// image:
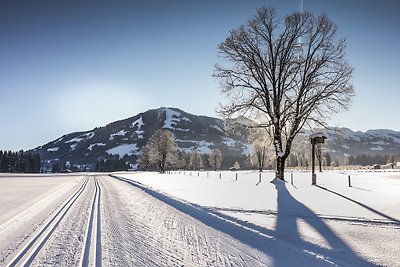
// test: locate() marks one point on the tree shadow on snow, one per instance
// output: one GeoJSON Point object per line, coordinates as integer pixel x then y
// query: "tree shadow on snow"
{"type": "Point", "coordinates": [276, 244]}
{"type": "Point", "coordinates": [290, 210]}
{"type": "Point", "coordinates": [396, 221]}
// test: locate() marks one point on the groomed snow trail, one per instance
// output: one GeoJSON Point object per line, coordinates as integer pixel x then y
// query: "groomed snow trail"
{"type": "Point", "coordinates": [144, 231]}
{"type": "Point", "coordinates": [69, 236]}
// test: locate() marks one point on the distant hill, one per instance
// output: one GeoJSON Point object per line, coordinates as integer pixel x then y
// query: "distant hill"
{"type": "Point", "coordinates": [123, 139]}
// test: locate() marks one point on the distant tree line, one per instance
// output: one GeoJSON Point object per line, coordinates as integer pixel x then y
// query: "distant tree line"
{"type": "Point", "coordinates": [111, 165]}
{"type": "Point", "coordinates": [19, 162]}
{"type": "Point", "coordinates": [371, 159]}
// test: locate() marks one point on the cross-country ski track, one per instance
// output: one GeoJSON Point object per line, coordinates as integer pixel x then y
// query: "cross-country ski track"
{"type": "Point", "coordinates": [107, 220]}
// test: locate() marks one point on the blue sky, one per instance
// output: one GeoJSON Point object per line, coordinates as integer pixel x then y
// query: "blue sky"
{"type": "Point", "coordinates": [69, 66]}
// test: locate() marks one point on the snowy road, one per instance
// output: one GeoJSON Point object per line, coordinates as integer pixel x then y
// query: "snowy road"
{"type": "Point", "coordinates": [111, 221]}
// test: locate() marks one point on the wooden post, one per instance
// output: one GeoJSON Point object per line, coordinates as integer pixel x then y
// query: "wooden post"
{"type": "Point", "coordinates": [219, 175]}
{"type": "Point", "coordinates": [349, 181]}
{"type": "Point", "coordinates": [198, 173]}
{"type": "Point", "coordinates": [291, 178]}
{"type": "Point", "coordinates": [313, 175]}
{"type": "Point", "coordinates": [236, 177]}
{"type": "Point", "coordinates": [259, 177]}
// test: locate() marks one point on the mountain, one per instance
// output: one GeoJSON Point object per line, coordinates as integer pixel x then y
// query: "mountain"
{"type": "Point", "coordinates": [123, 139]}
{"type": "Point", "coordinates": [343, 141]}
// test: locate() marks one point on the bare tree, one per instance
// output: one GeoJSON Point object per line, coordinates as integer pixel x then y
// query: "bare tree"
{"type": "Point", "coordinates": [163, 149]}
{"type": "Point", "coordinates": [261, 143]}
{"type": "Point", "coordinates": [196, 161]}
{"type": "Point", "coordinates": [236, 166]}
{"type": "Point", "coordinates": [259, 154]}
{"type": "Point", "coordinates": [392, 159]}
{"type": "Point", "coordinates": [285, 74]}
{"type": "Point", "coordinates": [144, 158]}
{"type": "Point", "coordinates": [215, 159]}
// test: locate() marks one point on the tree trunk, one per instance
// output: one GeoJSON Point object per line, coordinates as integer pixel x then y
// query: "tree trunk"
{"type": "Point", "coordinates": [280, 168]}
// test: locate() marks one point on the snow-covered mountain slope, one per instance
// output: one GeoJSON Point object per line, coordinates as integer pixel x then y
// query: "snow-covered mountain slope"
{"type": "Point", "coordinates": [123, 139]}
{"type": "Point", "coordinates": [343, 141]}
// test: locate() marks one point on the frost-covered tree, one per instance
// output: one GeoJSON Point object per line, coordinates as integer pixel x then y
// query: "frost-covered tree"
{"type": "Point", "coordinates": [183, 160]}
{"type": "Point", "coordinates": [236, 166]}
{"type": "Point", "coordinates": [392, 159]}
{"type": "Point", "coordinates": [215, 159]}
{"type": "Point", "coordinates": [258, 155]}
{"type": "Point", "coordinates": [196, 161]}
{"type": "Point", "coordinates": [285, 73]}
{"type": "Point", "coordinates": [260, 148]}
{"type": "Point", "coordinates": [327, 156]}
{"type": "Point", "coordinates": [144, 158]}
{"type": "Point", "coordinates": [162, 149]}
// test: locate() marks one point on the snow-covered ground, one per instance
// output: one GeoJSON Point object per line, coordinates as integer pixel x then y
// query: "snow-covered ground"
{"type": "Point", "coordinates": [199, 219]}
{"type": "Point", "coordinates": [348, 226]}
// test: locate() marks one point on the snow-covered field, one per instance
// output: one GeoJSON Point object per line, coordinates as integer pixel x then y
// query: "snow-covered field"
{"type": "Point", "coordinates": [331, 222]}
{"type": "Point", "coordinates": [200, 219]}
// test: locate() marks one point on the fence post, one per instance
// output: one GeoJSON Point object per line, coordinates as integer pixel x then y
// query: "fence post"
{"type": "Point", "coordinates": [236, 177]}
{"type": "Point", "coordinates": [349, 181]}
{"type": "Point", "coordinates": [219, 175]}
{"type": "Point", "coordinates": [291, 178]}
{"type": "Point", "coordinates": [259, 177]}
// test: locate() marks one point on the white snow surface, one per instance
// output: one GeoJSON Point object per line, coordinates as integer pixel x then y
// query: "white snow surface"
{"type": "Point", "coordinates": [139, 123]}
{"type": "Point", "coordinates": [217, 128]}
{"type": "Point", "coordinates": [124, 149]}
{"type": "Point", "coordinates": [171, 118]}
{"type": "Point", "coordinates": [336, 224]}
{"type": "Point", "coordinates": [81, 137]}
{"type": "Point", "coordinates": [377, 148]}
{"type": "Point", "coordinates": [52, 149]}
{"type": "Point", "coordinates": [203, 147]}
{"type": "Point", "coordinates": [120, 133]}
{"type": "Point", "coordinates": [200, 219]}
{"type": "Point", "coordinates": [95, 144]}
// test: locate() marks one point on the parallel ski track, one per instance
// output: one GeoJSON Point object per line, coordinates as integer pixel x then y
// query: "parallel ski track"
{"type": "Point", "coordinates": [91, 251]}
{"type": "Point", "coordinates": [28, 253]}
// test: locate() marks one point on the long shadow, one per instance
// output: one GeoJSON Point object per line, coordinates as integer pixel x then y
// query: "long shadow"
{"type": "Point", "coordinates": [362, 205]}
{"type": "Point", "coordinates": [290, 210]}
{"type": "Point", "coordinates": [269, 242]}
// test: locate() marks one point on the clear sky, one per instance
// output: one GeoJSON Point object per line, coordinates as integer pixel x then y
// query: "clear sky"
{"type": "Point", "coordinates": [73, 65]}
